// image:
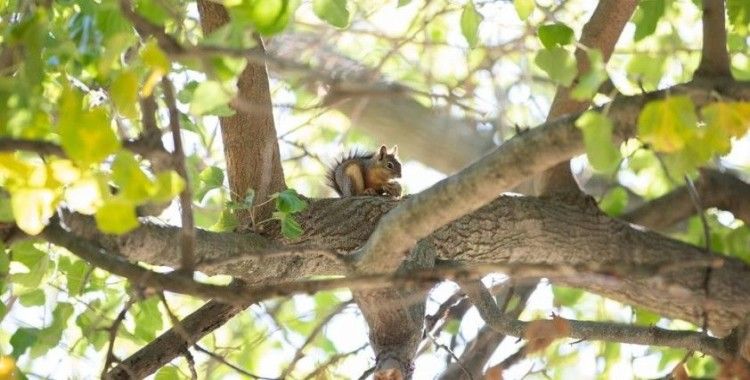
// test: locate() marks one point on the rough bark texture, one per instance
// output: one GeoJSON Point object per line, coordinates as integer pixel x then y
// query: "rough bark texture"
{"type": "Point", "coordinates": [507, 230]}
{"type": "Point", "coordinates": [714, 57]}
{"type": "Point", "coordinates": [601, 32]}
{"type": "Point", "coordinates": [250, 148]}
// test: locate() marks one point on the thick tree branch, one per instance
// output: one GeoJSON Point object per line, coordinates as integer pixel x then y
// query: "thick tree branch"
{"type": "Point", "coordinates": [716, 189]}
{"type": "Point", "coordinates": [507, 166]}
{"type": "Point", "coordinates": [252, 163]}
{"type": "Point", "coordinates": [172, 343]}
{"type": "Point", "coordinates": [714, 56]}
{"type": "Point", "coordinates": [601, 32]}
{"type": "Point", "coordinates": [612, 332]}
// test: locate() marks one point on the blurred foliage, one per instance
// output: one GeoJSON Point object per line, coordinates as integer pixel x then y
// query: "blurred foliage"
{"type": "Point", "coordinates": [76, 75]}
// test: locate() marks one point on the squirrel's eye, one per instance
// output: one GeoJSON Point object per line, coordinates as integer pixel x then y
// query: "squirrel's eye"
{"type": "Point", "coordinates": [389, 165]}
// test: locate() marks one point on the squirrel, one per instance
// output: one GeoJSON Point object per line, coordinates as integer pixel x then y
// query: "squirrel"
{"type": "Point", "coordinates": [368, 173]}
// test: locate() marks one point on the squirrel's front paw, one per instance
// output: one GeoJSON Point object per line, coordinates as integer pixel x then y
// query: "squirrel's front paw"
{"type": "Point", "coordinates": [392, 189]}
{"type": "Point", "coordinates": [370, 191]}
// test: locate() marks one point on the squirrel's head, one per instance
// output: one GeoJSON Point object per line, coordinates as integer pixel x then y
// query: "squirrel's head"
{"type": "Point", "coordinates": [388, 160]}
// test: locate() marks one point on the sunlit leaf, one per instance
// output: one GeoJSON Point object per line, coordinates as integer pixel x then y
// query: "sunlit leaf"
{"type": "Point", "coordinates": [34, 298]}
{"type": "Point", "coordinates": [553, 35]}
{"type": "Point", "coordinates": [86, 135]}
{"type": "Point", "coordinates": [32, 208]}
{"type": "Point", "coordinates": [470, 20]}
{"type": "Point", "coordinates": [208, 96]}
{"type": "Point", "coordinates": [333, 12]}
{"type": "Point", "coordinates": [116, 216]}
{"type": "Point", "coordinates": [524, 8]}
{"type": "Point", "coordinates": [132, 181]}
{"type": "Point", "coordinates": [614, 201]}
{"type": "Point", "coordinates": [558, 63]}
{"type": "Point", "coordinates": [668, 124]}
{"type": "Point", "coordinates": [169, 184]}
{"type": "Point", "coordinates": [738, 12]}
{"type": "Point", "coordinates": [210, 178]}
{"type": "Point", "coordinates": [124, 93]}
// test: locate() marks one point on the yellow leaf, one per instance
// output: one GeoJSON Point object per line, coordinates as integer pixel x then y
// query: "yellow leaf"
{"type": "Point", "coordinates": [32, 208]}
{"type": "Point", "coordinates": [169, 184]}
{"type": "Point", "coordinates": [157, 61]}
{"type": "Point", "coordinates": [124, 94]}
{"type": "Point", "coordinates": [7, 368]}
{"type": "Point", "coordinates": [731, 117]}
{"type": "Point", "coordinates": [668, 124]}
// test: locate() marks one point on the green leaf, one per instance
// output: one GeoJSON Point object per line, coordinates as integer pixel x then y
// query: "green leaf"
{"type": "Point", "coordinates": [470, 20]}
{"type": "Point", "coordinates": [34, 298]}
{"type": "Point", "coordinates": [86, 135]}
{"type": "Point", "coordinates": [614, 201]}
{"type": "Point", "coordinates": [646, 70]}
{"type": "Point", "coordinates": [452, 326]}
{"type": "Point", "coordinates": [271, 16]}
{"type": "Point", "coordinates": [75, 273]}
{"type": "Point", "coordinates": [333, 12]}
{"type": "Point", "coordinates": [148, 319]}
{"type": "Point", "coordinates": [169, 184]}
{"type": "Point", "coordinates": [116, 216]}
{"type": "Point", "coordinates": [208, 96]}
{"type": "Point", "coordinates": [134, 185]}
{"type": "Point", "coordinates": [289, 227]}
{"type": "Point", "coordinates": [401, 3]}
{"type": "Point", "coordinates": [647, 17]}
{"type": "Point", "coordinates": [50, 336]}
{"type": "Point", "coordinates": [566, 296]}
{"type": "Point", "coordinates": [738, 12]}
{"type": "Point", "coordinates": [22, 339]}
{"type": "Point", "coordinates": [168, 373]}
{"type": "Point", "coordinates": [524, 8]}
{"type": "Point", "coordinates": [289, 202]}
{"type": "Point", "coordinates": [553, 35]}
{"type": "Point", "coordinates": [668, 124]}
{"type": "Point", "coordinates": [597, 136]}
{"type": "Point", "coordinates": [645, 317]}
{"type": "Point", "coordinates": [227, 221]}
{"type": "Point", "coordinates": [6, 210]}
{"type": "Point", "coordinates": [32, 208]}
{"type": "Point", "coordinates": [210, 178]}
{"type": "Point", "coordinates": [589, 82]}
{"type": "Point", "coordinates": [153, 11]}
{"type": "Point", "coordinates": [124, 93]}
{"type": "Point", "coordinates": [32, 258]}
{"type": "Point", "coordinates": [559, 64]}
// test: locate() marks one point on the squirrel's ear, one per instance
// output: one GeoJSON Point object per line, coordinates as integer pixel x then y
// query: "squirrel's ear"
{"type": "Point", "coordinates": [394, 150]}
{"type": "Point", "coordinates": [382, 152]}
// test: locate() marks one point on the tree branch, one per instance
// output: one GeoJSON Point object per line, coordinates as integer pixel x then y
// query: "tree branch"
{"type": "Point", "coordinates": [601, 32]}
{"type": "Point", "coordinates": [507, 166]}
{"type": "Point", "coordinates": [714, 55]}
{"type": "Point", "coordinates": [252, 163]}
{"type": "Point", "coordinates": [613, 332]}
{"type": "Point", "coordinates": [716, 189]}
{"type": "Point", "coordinates": [187, 241]}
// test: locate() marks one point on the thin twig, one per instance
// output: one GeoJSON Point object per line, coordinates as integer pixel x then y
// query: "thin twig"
{"type": "Point", "coordinates": [113, 329]}
{"type": "Point", "coordinates": [187, 240]}
{"type": "Point", "coordinates": [224, 361]}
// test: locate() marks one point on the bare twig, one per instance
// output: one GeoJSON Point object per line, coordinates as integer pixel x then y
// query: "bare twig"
{"type": "Point", "coordinates": [614, 332]}
{"type": "Point", "coordinates": [187, 240]}
{"type": "Point", "coordinates": [113, 330]}
{"type": "Point", "coordinates": [224, 361]}
{"type": "Point", "coordinates": [313, 334]}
